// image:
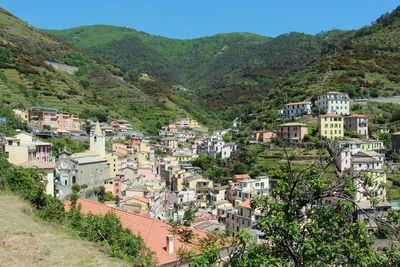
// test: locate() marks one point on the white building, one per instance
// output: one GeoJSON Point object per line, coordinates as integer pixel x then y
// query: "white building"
{"type": "Point", "coordinates": [228, 150]}
{"type": "Point", "coordinates": [297, 109]}
{"type": "Point", "coordinates": [249, 188]}
{"type": "Point", "coordinates": [370, 164]}
{"type": "Point", "coordinates": [334, 102]}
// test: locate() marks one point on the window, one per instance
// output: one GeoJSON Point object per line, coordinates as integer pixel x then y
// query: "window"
{"type": "Point", "coordinates": [73, 180]}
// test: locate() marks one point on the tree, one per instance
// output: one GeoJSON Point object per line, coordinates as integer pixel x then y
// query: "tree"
{"type": "Point", "coordinates": [188, 217]}
{"type": "Point", "coordinates": [303, 229]}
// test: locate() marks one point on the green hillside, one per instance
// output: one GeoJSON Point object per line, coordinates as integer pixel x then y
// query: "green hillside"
{"type": "Point", "coordinates": [96, 91]}
{"type": "Point", "coordinates": [219, 71]}
{"type": "Point", "coordinates": [27, 241]}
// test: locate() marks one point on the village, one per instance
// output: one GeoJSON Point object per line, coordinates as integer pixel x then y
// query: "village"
{"type": "Point", "coordinates": [150, 181]}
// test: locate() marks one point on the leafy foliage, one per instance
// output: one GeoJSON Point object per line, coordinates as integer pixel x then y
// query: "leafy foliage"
{"type": "Point", "coordinates": [30, 184]}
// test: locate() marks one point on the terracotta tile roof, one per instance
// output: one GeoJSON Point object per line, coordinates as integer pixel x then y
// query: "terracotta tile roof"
{"type": "Point", "coordinates": [37, 163]}
{"type": "Point", "coordinates": [142, 199]}
{"type": "Point", "coordinates": [152, 231]}
{"type": "Point", "coordinates": [240, 177]}
{"type": "Point", "coordinates": [245, 204]}
{"type": "Point", "coordinates": [330, 115]}
{"type": "Point", "coordinates": [298, 103]}
{"type": "Point", "coordinates": [358, 116]}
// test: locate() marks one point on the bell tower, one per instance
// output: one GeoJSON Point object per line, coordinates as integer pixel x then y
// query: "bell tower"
{"type": "Point", "coordinates": [98, 141]}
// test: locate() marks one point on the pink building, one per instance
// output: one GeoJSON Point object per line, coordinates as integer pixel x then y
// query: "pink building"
{"type": "Point", "coordinates": [187, 196]}
{"type": "Point", "coordinates": [44, 116]}
{"type": "Point", "coordinates": [121, 126]}
{"type": "Point", "coordinates": [134, 141]}
{"type": "Point", "coordinates": [117, 188]}
{"type": "Point", "coordinates": [68, 122]}
{"type": "Point", "coordinates": [57, 120]}
{"type": "Point", "coordinates": [357, 123]}
{"type": "Point", "coordinates": [118, 146]}
{"type": "Point", "coordinates": [146, 174]}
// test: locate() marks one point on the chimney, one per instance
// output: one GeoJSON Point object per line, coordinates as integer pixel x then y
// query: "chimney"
{"type": "Point", "coordinates": [170, 244]}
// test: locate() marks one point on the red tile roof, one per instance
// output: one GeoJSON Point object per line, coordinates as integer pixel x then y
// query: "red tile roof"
{"type": "Point", "coordinates": [245, 204]}
{"type": "Point", "coordinates": [358, 116]}
{"type": "Point", "coordinates": [152, 231]}
{"type": "Point", "coordinates": [240, 177]}
{"type": "Point", "coordinates": [330, 115]}
{"type": "Point", "coordinates": [298, 103]}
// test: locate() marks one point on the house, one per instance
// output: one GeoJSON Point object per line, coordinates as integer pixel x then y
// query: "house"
{"type": "Point", "coordinates": [331, 126]}
{"type": "Point", "coordinates": [155, 233]}
{"type": "Point", "coordinates": [114, 185]}
{"type": "Point", "coordinates": [243, 217]}
{"type": "Point", "coordinates": [121, 127]}
{"type": "Point", "coordinates": [44, 116]}
{"type": "Point", "coordinates": [22, 114]}
{"type": "Point", "coordinates": [183, 156]}
{"type": "Point", "coordinates": [346, 149]}
{"type": "Point", "coordinates": [396, 142]}
{"type": "Point", "coordinates": [170, 143]}
{"type": "Point", "coordinates": [334, 102]}
{"type": "Point", "coordinates": [219, 193]}
{"type": "Point", "coordinates": [240, 177]}
{"type": "Point", "coordinates": [264, 136]}
{"type": "Point", "coordinates": [186, 196]}
{"type": "Point", "coordinates": [68, 122]}
{"type": "Point", "coordinates": [228, 150]}
{"type": "Point", "coordinates": [357, 123]}
{"type": "Point", "coordinates": [250, 188]}
{"type": "Point", "coordinates": [135, 204]}
{"type": "Point", "coordinates": [25, 147]}
{"type": "Point", "coordinates": [297, 109]}
{"type": "Point", "coordinates": [56, 120]}
{"type": "Point", "coordinates": [293, 131]}
{"type": "Point", "coordinates": [86, 168]}
{"type": "Point", "coordinates": [200, 184]}
{"type": "Point", "coordinates": [371, 164]}
{"type": "Point", "coordinates": [47, 167]}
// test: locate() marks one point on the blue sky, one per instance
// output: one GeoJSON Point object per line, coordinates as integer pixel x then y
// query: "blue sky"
{"type": "Point", "coordinates": [186, 19]}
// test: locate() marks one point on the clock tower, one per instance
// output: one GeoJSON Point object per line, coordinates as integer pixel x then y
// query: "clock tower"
{"type": "Point", "coordinates": [98, 141]}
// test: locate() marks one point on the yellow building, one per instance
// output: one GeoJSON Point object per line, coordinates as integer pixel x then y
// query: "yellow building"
{"type": "Point", "coordinates": [112, 161]}
{"type": "Point", "coordinates": [23, 114]}
{"type": "Point", "coordinates": [136, 204]}
{"type": "Point", "coordinates": [193, 124]}
{"type": "Point", "coordinates": [219, 194]}
{"type": "Point", "coordinates": [331, 126]}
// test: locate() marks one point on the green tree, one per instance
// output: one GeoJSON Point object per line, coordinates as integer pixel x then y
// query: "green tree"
{"type": "Point", "coordinates": [188, 217]}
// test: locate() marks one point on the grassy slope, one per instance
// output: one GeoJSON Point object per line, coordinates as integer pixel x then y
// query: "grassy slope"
{"type": "Point", "coordinates": [26, 81]}
{"type": "Point", "coordinates": [25, 241]}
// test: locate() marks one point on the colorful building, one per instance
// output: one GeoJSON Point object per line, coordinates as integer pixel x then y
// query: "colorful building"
{"type": "Point", "coordinates": [297, 109]}
{"type": "Point", "coordinates": [293, 131]}
{"type": "Point", "coordinates": [331, 126]}
{"type": "Point", "coordinates": [357, 123]}
{"type": "Point", "coordinates": [334, 102]}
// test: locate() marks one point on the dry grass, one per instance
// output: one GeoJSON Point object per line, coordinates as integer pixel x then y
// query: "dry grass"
{"type": "Point", "coordinates": [27, 241]}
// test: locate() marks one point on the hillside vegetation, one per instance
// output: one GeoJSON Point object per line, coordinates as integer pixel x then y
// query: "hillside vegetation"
{"type": "Point", "coordinates": [96, 91]}
{"type": "Point", "coordinates": [27, 241]}
{"type": "Point", "coordinates": [229, 70]}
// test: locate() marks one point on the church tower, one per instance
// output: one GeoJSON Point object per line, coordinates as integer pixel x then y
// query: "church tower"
{"type": "Point", "coordinates": [98, 141]}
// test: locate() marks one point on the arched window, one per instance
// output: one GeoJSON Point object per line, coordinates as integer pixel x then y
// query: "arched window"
{"type": "Point", "coordinates": [73, 180]}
